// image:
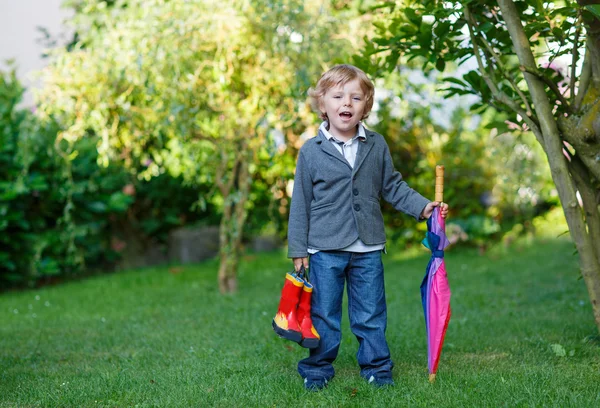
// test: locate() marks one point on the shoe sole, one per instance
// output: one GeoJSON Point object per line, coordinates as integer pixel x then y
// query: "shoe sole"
{"type": "Point", "coordinates": [287, 334]}
{"type": "Point", "coordinates": [310, 343]}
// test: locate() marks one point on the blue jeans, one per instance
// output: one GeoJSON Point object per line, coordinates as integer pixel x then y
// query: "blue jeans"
{"type": "Point", "coordinates": [363, 272]}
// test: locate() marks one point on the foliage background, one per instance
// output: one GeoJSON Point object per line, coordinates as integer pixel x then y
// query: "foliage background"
{"type": "Point", "coordinates": [64, 214]}
{"type": "Point", "coordinates": [124, 139]}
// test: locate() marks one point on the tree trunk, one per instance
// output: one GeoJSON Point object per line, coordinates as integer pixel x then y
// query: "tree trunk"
{"type": "Point", "coordinates": [589, 199]}
{"type": "Point", "coordinates": [235, 191]}
{"type": "Point", "coordinates": [593, 42]}
{"type": "Point", "coordinates": [579, 131]}
{"type": "Point", "coordinates": [559, 166]}
{"type": "Point", "coordinates": [228, 253]}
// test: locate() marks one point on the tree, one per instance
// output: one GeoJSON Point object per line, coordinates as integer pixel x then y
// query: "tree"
{"type": "Point", "coordinates": [194, 88]}
{"type": "Point", "coordinates": [516, 46]}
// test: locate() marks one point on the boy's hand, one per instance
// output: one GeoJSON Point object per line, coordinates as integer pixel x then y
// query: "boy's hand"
{"type": "Point", "coordinates": [428, 210]}
{"type": "Point", "coordinates": [298, 262]}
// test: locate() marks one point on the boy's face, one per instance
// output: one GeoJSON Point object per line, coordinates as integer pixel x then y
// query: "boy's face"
{"type": "Point", "coordinates": [344, 106]}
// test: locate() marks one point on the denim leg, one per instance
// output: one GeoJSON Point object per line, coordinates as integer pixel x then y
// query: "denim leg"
{"type": "Point", "coordinates": [368, 313]}
{"type": "Point", "coordinates": [327, 274]}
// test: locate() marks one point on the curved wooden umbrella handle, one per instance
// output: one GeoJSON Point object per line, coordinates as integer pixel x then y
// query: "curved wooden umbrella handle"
{"type": "Point", "coordinates": [439, 183]}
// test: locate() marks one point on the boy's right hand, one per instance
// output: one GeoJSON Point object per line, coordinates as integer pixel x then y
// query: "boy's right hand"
{"type": "Point", "coordinates": [298, 262]}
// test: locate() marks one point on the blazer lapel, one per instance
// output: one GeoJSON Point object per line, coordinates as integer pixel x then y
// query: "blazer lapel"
{"type": "Point", "coordinates": [364, 147]}
{"type": "Point", "coordinates": [328, 148]}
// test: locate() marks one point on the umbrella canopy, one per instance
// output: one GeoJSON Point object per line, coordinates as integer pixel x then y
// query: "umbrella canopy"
{"type": "Point", "coordinates": [435, 291]}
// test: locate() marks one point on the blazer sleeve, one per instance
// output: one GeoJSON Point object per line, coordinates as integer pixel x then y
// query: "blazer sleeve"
{"type": "Point", "coordinates": [299, 221]}
{"type": "Point", "coordinates": [396, 192]}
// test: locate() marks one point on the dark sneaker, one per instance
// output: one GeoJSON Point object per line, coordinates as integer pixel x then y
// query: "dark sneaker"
{"type": "Point", "coordinates": [315, 384]}
{"type": "Point", "coordinates": [381, 380]}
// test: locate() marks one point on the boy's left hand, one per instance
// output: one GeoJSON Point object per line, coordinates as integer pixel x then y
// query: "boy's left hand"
{"type": "Point", "coordinates": [428, 210]}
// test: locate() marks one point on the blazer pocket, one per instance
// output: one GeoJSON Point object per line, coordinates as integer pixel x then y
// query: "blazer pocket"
{"type": "Point", "coordinates": [321, 206]}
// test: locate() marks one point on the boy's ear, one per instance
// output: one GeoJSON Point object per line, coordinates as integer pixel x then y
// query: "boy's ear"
{"type": "Point", "coordinates": [322, 106]}
{"type": "Point", "coordinates": [365, 113]}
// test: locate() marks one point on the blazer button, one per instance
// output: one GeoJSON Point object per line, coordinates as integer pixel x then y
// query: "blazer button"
{"type": "Point", "coordinates": [356, 207]}
{"type": "Point", "coordinates": [355, 191]}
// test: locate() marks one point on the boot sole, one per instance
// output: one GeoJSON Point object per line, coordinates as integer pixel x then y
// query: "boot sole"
{"type": "Point", "coordinates": [287, 334]}
{"type": "Point", "coordinates": [310, 343]}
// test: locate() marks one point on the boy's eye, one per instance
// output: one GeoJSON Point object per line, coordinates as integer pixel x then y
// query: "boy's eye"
{"type": "Point", "coordinates": [336, 97]}
{"type": "Point", "coordinates": [356, 98]}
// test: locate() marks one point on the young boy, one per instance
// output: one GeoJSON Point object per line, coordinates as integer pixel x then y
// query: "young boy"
{"type": "Point", "coordinates": [335, 216]}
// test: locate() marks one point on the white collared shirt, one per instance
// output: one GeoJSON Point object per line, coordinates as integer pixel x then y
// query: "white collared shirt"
{"type": "Point", "coordinates": [349, 150]}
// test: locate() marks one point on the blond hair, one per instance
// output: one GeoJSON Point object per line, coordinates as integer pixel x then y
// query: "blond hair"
{"type": "Point", "coordinates": [340, 75]}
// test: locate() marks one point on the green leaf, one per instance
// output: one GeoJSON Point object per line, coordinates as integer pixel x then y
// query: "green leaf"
{"type": "Point", "coordinates": [119, 202]}
{"type": "Point", "coordinates": [386, 4]}
{"type": "Point", "coordinates": [408, 29]}
{"type": "Point", "coordinates": [558, 350]}
{"type": "Point", "coordinates": [441, 29]}
{"type": "Point", "coordinates": [594, 9]}
{"type": "Point", "coordinates": [412, 16]}
{"type": "Point", "coordinates": [559, 34]}
{"type": "Point", "coordinates": [564, 11]}
{"type": "Point", "coordinates": [380, 26]}
{"type": "Point", "coordinates": [454, 81]}
{"type": "Point", "coordinates": [485, 27]}
{"type": "Point", "coordinates": [440, 64]}
{"type": "Point", "coordinates": [97, 207]}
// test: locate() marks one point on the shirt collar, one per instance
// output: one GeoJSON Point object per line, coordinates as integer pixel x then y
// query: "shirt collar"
{"type": "Point", "coordinates": [360, 134]}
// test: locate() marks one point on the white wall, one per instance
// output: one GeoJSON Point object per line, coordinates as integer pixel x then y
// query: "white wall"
{"type": "Point", "coordinates": [19, 35]}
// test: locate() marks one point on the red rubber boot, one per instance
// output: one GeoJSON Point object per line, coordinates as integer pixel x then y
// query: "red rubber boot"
{"type": "Point", "coordinates": [310, 337]}
{"type": "Point", "coordinates": [285, 322]}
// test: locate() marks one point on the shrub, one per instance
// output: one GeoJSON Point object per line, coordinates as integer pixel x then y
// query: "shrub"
{"type": "Point", "coordinates": [53, 203]}
{"type": "Point", "coordinates": [60, 212]}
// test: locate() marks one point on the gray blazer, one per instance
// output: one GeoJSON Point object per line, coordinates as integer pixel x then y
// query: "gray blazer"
{"type": "Point", "coordinates": [333, 204]}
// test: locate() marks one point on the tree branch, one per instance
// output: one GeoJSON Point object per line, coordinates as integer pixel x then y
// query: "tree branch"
{"type": "Point", "coordinates": [584, 81]}
{"type": "Point", "coordinates": [505, 74]}
{"type": "Point", "coordinates": [551, 85]}
{"type": "Point", "coordinates": [499, 95]}
{"type": "Point", "coordinates": [592, 41]}
{"type": "Point", "coordinates": [575, 56]}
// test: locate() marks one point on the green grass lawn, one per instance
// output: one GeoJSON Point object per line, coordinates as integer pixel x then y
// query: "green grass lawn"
{"type": "Point", "coordinates": [522, 334]}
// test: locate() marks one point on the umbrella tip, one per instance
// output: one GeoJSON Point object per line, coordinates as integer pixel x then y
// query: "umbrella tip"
{"type": "Point", "coordinates": [431, 378]}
